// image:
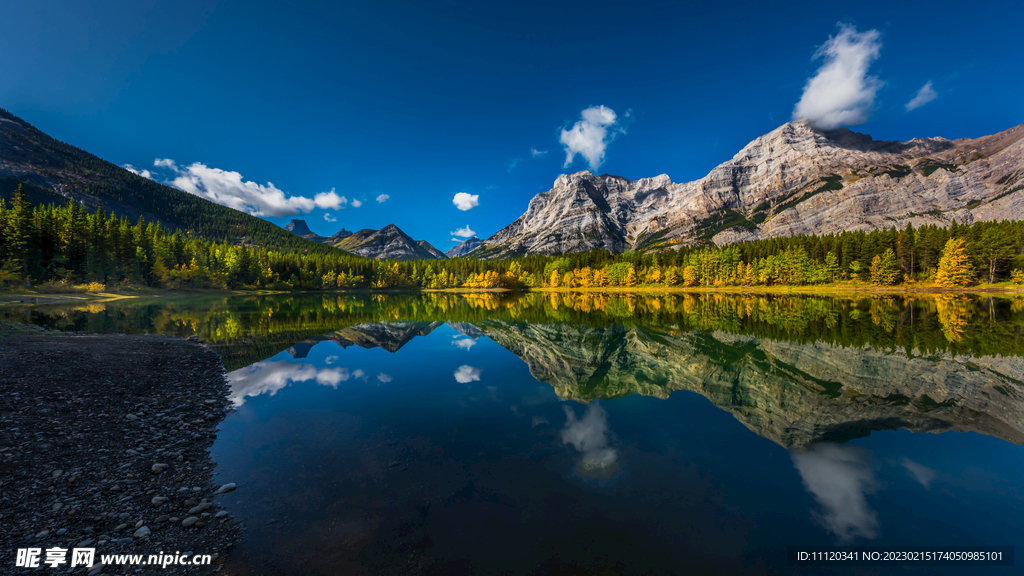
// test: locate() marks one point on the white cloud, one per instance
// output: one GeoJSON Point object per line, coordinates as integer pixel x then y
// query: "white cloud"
{"type": "Point", "coordinates": [330, 360]}
{"type": "Point", "coordinates": [330, 200]}
{"type": "Point", "coordinates": [328, 217]}
{"type": "Point", "coordinates": [383, 198]}
{"type": "Point", "coordinates": [466, 374]}
{"type": "Point", "coordinates": [589, 435]}
{"type": "Point", "coordinates": [138, 172]}
{"type": "Point", "coordinates": [464, 201]}
{"type": "Point", "coordinates": [465, 232]}
{"type": "Point", "coordinates": [357, 203]}
{"type": "Point", "coordinates": [464, 343]}
{"type": "Point", "coordinates": [229, 189]}
{"type": "Point", "coordinates": [923, 474]}
{"type": "Point", "coordinates": [538, 420]}
{"type": "Point", "coordinates": [839, 477]}
{"type": "Point", "coordinates": [590, 136]}
{"type": "Point", "coordinates": [841, 93]}
{"type": "Point", "coordinates": [512, 165]}
{"type": "Point", "coordinates": [458, 240]}
{"type": "Point", "coordinates": [332, 376]}
{"type": "Point", "coordinates": [358, 374]}
{"type": "Point", "coordinates": [534, 153]}
{"type": "Point", "coordinates": [384, 378]}
{"type": "Point", "coordinates": [924, 95]}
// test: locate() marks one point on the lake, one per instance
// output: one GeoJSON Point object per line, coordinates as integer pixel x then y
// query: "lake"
{"type": "Point", "coordinates": [604, 433]}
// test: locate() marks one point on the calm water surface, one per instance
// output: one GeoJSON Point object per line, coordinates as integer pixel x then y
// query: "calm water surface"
{"type": "Point", "coordinates": [444, 434]}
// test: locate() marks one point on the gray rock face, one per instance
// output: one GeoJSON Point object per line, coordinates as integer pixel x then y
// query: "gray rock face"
{"type": "Point", "coordinates": [298, 227]}
{"type": "Point", "coordinates": [794, 180]}
{"type": "Point", "coordinates": [463, 248]}
{"type": "Point", "coordinates": [433, 251]}
{"type": "Point", "coordinates": [339, 235]}
{"type": "Point", "coordinates": [388, 243]}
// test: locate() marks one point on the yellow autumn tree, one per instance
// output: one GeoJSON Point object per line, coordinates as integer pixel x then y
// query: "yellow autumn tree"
{"type": "Point", "coordinates": [955, 267]}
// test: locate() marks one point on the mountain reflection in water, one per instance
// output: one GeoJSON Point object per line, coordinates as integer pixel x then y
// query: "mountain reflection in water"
{"type": "Point", "coordinates": [590, 433]}
{"type": "Point", "coordinates": [794, 394]}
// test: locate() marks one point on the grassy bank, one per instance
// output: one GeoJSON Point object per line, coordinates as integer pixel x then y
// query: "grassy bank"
{"type": "Point", "coordinates": [820, 289]}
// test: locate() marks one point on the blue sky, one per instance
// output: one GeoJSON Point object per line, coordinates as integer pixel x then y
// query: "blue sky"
{"type": "Point", "coordinates": [414, 102]}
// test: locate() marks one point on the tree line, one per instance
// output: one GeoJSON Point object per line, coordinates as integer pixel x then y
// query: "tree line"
{"type": "Point", "coordinates": [69, 246]}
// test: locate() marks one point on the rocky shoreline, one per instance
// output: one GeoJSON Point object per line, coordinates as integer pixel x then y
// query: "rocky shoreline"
{"type": "Point", "coordinates": [105, 444]}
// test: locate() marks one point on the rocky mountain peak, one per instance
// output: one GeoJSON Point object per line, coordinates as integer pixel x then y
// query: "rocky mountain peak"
{"type": "Point", "coordinates": [298, 227]}
{"type": "Point", "coordinates": [388, 243]}
{"type": "Point", "coordinates": [796, 179]}
{"type": "Point", "coordinates": [463, 248]}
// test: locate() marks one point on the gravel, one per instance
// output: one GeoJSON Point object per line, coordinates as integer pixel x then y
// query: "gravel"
{"type": "Point", "coordinates": [95, 431]}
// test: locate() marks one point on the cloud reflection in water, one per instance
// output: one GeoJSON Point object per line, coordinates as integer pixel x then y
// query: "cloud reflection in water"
{"type": "Point", "coordinates": [268, 377]}
{"type": "Point", "coordinates": [589, 436]}
{"type": "Point", "coordinates": [839, 477]}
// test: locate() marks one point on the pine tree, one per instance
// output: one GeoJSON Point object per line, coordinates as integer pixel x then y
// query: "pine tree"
{"type": "Point", "coordinates": [18, 230]}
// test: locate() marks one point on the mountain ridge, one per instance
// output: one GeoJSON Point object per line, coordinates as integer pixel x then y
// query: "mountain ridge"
{"type": "Point", "coordinates": [463, 248]}
{"type": "Point", "coordinates": [794, 180]}
{"type": "Point", "coordinates": [52, 171]}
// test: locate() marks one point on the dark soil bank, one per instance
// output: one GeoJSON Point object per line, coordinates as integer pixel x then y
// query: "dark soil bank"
{"type": "Point", "coordinates": [104, 443]}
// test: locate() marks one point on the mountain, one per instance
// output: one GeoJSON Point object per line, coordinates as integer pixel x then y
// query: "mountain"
{"type": "Point", "coordinates": [56, 172]}
{"type": "Point", "coordinates": [339, 235]}
{"type": "Point", "coordinates": [388, 243]}
{"type": "Point", "coordinates": [791, 393]}
{"type": "Point", "coordinates": [298, 227]}
{"type": "Point", "coordinates": [433, 251]}
{"type": "Point", "coordinates": [390, 336]}
{"type": "Point", "coordinates": [463, 248]}
{"type": "Point", "coordinates": [794, 180]}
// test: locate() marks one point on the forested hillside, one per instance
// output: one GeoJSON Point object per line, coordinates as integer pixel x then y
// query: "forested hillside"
{"type": "Point", "coordinates": [70, 246]}
{"type": "Point", "coordinates": [53, 171]}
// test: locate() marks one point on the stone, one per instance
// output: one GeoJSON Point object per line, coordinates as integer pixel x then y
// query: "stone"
{"type": "Point", "coordinates": [124, 540]}
{"type": "Point", "coordinates": [199, 508]}
{"type": "Point", "coordinates": [159, 500]}
{"type": "Point", "coordinates": [62, 531]}
{"type": "Point", "coordinates": [142, 532]}
{"type": "Point", "coordinates": [221, 514]}
{"type": "Point", "coordinates": [158, 467]}
{"type": "Point", "coordinates": [189, 521]}
{"type": "Point", "coordinates": [131, 452]}
{"type": "Point", "coordinates": [226, 488]}
{"type": "Point", "coordinates": [95, 569]}
{"type": "Point", "coordinates": [85, 543]}
{"type": "Point", "coordinates": [43, 534]}
{"type": "Point", "coordinates": [163, 518]}
{"type": "Point", "coordinates": [120, 527]}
